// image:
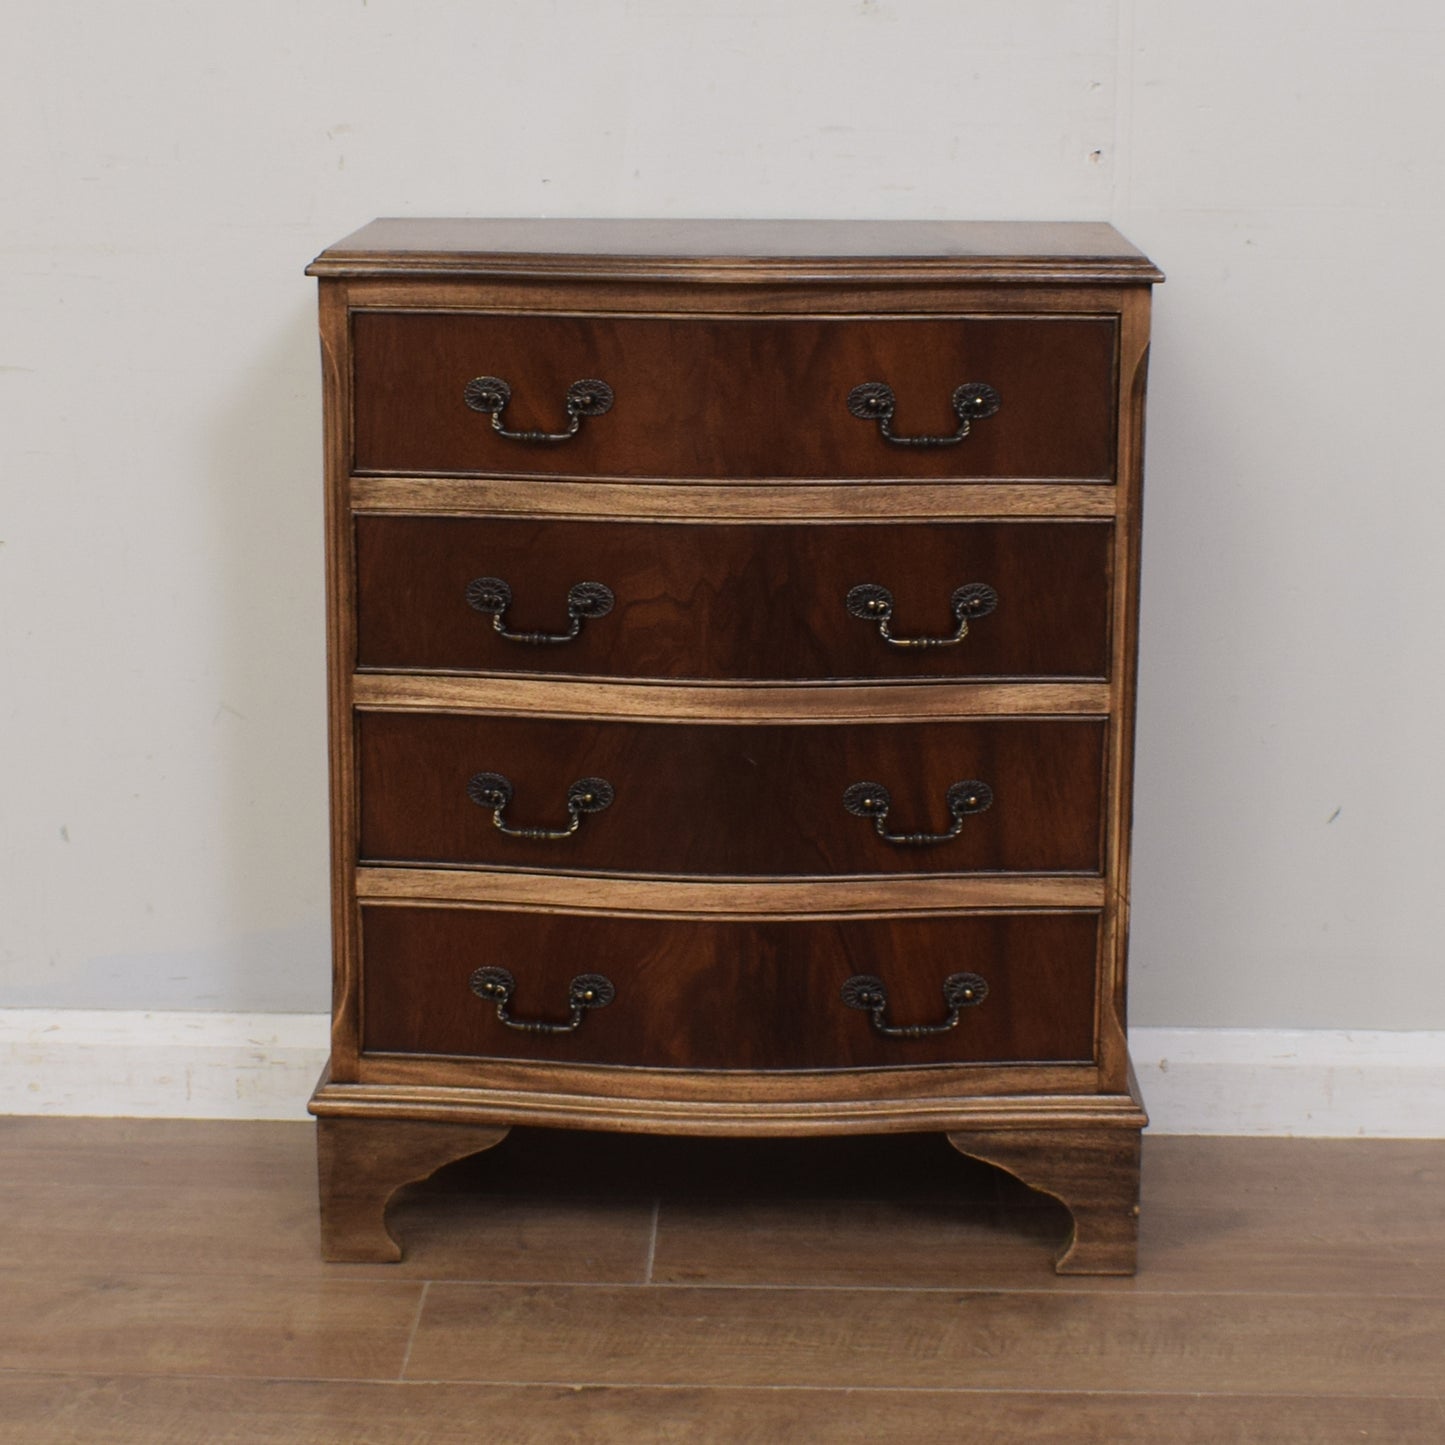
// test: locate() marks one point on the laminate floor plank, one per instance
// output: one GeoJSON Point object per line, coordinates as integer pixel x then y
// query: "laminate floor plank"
{"type": "Point", "coordinates": [902, 1244]}
{"type": "Point", "coordinates": [131, 1410]}
{"type": "Point", "coordinates": [160, 1281]}
{"type": "Point", "coordinates": [1218, 1215]}
{"type": "Point", "coordinates": [206, 1229]}
{"type": "Point", "coordinates": [119, 1153]}
{"type": "Point", "coordinates": [210, 1324]}
{"type": "Point", "coordinates": [1089, 1340]}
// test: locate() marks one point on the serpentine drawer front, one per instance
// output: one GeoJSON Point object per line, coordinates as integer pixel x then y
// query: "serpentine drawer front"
{"type": "Point", "coordinates": [731, 665]}
{"type": "Point", "coordinates": [794, 601]}
{"type": "Point", "coordinates": [734, 398]}
{"type": "Point", "coordinates": [690, 798]}
{"type": "Point", "coordinates": [708, 994]}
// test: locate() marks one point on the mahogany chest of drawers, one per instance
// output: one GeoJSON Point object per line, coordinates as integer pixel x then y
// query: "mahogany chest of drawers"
{"type": "Point", "coordinates": [732, 634]}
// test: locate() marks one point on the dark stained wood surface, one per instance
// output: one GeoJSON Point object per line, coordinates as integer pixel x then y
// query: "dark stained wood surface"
{"type": "Point", "coordinates": [362, 1163]}
{"type": "Point", "coordinates": [162, 1285]}
{"type": "Point", "coordinates": [732, 800]}
{"type": "Point", "coordinates": [1094, 1172]}
{"type": "Point", "coordinates": [405, 244]}
{"type": "Point", "coordinates": [730, 602]}
{"type": "Point", "coordinates": [707, 994]}
{"type": "Point", "coordinates": [734, 368]}
{"type": "Point", "coordinates": [727, 397]}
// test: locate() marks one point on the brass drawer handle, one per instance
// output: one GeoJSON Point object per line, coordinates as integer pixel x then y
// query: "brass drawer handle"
{"type": "Point", "coordinates": [873, 800]}
{"type": "Point", "coordinates": [960, 991]}
{"type": "Point", "coordinates": [586, 795]}
{"type": "Point", "coordinates": [875, 401]}
{"type": "Point", "coordinates": [491, 597]}
{"type": "Point", "coordinates": [586, 992]}
{"type": "Point", "coordinates": [490, 395]}
{"type": "Point", "coordinates": [875, 604]}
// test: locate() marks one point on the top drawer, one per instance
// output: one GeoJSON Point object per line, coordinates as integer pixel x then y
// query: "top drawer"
{"type": "Point", "coordinates": [735, 398]}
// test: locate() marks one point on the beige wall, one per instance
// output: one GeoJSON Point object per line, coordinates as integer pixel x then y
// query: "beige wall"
{"type": "Point", "coordinates": [169, 168]}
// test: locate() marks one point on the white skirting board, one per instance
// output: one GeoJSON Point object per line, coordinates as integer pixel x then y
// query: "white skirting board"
{"type": "Point", "coordinates": [262, 1066]}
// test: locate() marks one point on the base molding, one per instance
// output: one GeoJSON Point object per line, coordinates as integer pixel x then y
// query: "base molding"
{"type": "Point", "coordinates": [373, 1140]}
{"type": "Point", "coordinates": [1305, 1082]}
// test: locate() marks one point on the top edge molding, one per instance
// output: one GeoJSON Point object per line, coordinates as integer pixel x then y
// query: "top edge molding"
{"type": "Point", "coordinates": [741, 251]}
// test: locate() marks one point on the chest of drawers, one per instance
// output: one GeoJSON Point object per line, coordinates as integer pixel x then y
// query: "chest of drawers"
{"type": "Point", "coordinates": [731, 634]}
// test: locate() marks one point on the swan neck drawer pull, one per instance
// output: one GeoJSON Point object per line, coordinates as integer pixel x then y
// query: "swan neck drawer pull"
{"type": "Point", "coordinates": [960, 991]}
{"type": "Point", "coordinates": [875, 604]}
{"type": "Point", "coordinates": [586, 992]}
{"type": "Point", "coordinates": [875, 401]}
{"type": "Point", "coordinates": [490, 395]}
{"type": "Point", "coordinates": [586, 795]}
{"type": "Point", "coordinates": [873, 800]}
{"type": "Point", "coordinates": [491, 596]}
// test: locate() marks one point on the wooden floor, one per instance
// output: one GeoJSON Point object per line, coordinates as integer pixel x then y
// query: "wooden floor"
{"type": "Point", "coordinates": [160, 1283]}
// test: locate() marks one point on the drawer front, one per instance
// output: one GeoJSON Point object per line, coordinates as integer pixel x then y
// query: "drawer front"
{"type": "Point", "coordinates": [711, 397]}
{"type": "Point", "coordinates": [696, 799]}
{"type": "Point", "coordinates": [724, 994]}
{"type": "Point", "coordinates": [733, 601]}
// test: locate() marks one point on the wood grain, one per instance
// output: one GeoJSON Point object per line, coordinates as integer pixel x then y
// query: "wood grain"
{"type": "Point", "coordinates": [764, 801]}
{"type": "Point", "coordinates": [831, 898]}
{"type": "Point", "coordinates": [731, 354]}
{"type": "Point", "coordinates": [1094, 1173]}
{"type": "Point", "coordinates": [1291, 1295]}
{"type": "Point", "coordinates": [802, 249]}
{"type": "Point", "coordinates": [728, 1103]}
{"type": "Point", "coordinates": [206, 1324]}
{"type": "Point", "coordinates": [758, 502]}
{"type": "Point", "coordinates": [928, 1339]}
{"type": "Point", "coordinates": [727, 397]}
{"type": "Point", "coordinates": [733, 602]}
{"type": "Point", "coordinates": [727, 705]}
{"type": "Point", "coordinates": [137, 1410]}
{"type": "Point", "coordinates": [340, 666]}
{"type": "Point", "coordinates": [361, 1163]}
{"type": "Point", "coordinates": [704, 994]}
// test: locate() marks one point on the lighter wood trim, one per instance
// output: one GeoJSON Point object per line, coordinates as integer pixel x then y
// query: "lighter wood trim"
{"type": "Point", "coordinates": [656, 1101]}
{"type": "Point", "coordinates": [757, 295]}
{"type": "Point", "coordinates": [677, 502]}
{"type": "Point", "coordinates": [741, 704]}
{"type": "Point", "coordinates": [335, 330]}
{"type": "Point", "coordinates": [829, 898]}
{"type": "Point", "coordinates": [1111, 1044]}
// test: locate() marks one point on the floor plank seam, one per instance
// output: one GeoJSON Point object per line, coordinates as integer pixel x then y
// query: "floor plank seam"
{"type": "Point", "coordinates": [652, 1242]}
{"type": "Point", "coordinates": [1129, 1288]}
{"type": "Point", "coordinates": [1424, 1398]}
{"type": "Point", "coordinates": [30, 1372]}
{"type": "Point", "coordinates": [379, 1276]}
{"type": "Point", "coordinates": [415, 1326]}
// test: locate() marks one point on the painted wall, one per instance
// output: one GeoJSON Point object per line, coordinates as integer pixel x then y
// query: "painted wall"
{"type": "Point", "coordinates": [169, 168]}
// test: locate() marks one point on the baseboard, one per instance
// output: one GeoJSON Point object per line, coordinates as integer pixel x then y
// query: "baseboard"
{"type": "Point", "coordinates": [263, 1066]}
{"type": "Point", "coordinates": [1305, 1082]}
{"type": "Point", "coordinates": [159, 1065]}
